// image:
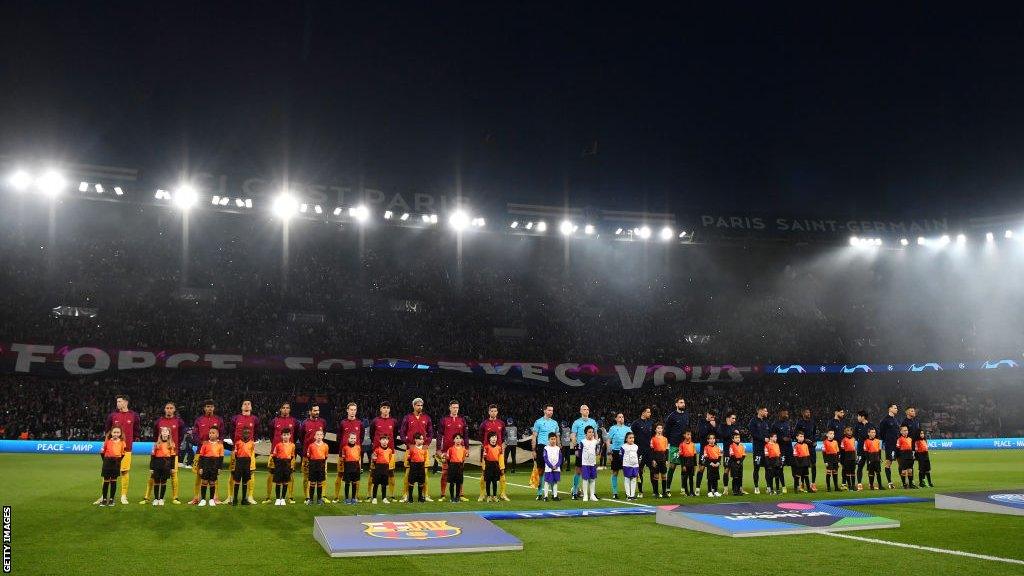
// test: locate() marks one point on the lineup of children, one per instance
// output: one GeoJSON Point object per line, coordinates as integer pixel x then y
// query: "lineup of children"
{"type": "Point", "coordinates": [840, 456]}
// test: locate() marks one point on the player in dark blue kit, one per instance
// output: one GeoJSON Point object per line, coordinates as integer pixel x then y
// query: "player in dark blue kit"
{"type": "Point", "coordinates": [677, 422]}
{"type": "Point", "coordinates": [643, 431]}
{"type": "Point", "coordinates": [704, 429]}
{"type": "Point", "coordinates": [838, 422]}
{"type": "Point", "coordinates": [784, 429]}
{"type": "Point", "coordinates": [809, 427]}
{"type": "Point", "coordinates": [889, 431]}
{"type": "Point", "coordinates": [860, 433]}
{"type": "Point", "coordinates": [911, 422]}
{"type": "Point", "coordinates": [760, 429]}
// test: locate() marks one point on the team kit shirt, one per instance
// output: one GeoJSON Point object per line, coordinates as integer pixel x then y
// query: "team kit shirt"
{"type": "Point", "coordinates": [676, 423]}
{"type": "Point", "coordinates": [350, 426]}
{"type": "Point", "coordinates": [579, 428]}
{"type": "Point", "coordinates": [126, 421]}
{"type": "Point", "coordinates": [617, 436]}
{"type": "Point", "coordinates": [589, 451]}
{"type": "Point", "coordinates": [174, 424]}
{"type": "Point", "coordinates": [542, 427]}
{"type": "Point", "coordinates": [889, 431]}
{"type": "Point", "coordinates": [643, 430]}
{"type": "Point", "coordinates": [241, 422]}
{"type": "Point", "coordinates": [281, 423]}
{"type": "Point", "coordinates": [380, 427]}
{"type": "Point", "coordinates": [449, 427]}
{"type": "Point", "coordinates": [630, 456]}
{"type": "Point", "coordinates": [860, 433]}
{"type": "Point", "coordinates": [310, 426]}
{"type": "Point", "coordinates": [497, 426]}
{"type": "Point", "coordinates": [203, 425]}
{"type": "Point", "coordinates": [412, 424]}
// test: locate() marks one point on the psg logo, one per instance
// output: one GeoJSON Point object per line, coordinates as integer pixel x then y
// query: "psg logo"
{"type": "Point", "coordinates": [412, 530]}
{"type": "Point", "coordinates": [1008, 498]}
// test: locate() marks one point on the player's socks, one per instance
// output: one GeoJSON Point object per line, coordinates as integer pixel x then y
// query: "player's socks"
{"type": "Point", "coordinates": [814, 471]}
{"type": "Point", "coordinates": [615, 484]}
{"type": "Point", "coordinates": [654, 485]}
{"type": "Point", "coordinates": [124, 483]}
{"type": "Point", "coordinates": [664, 487]}
{"type": "Point", "coordinates": [593, 489]}
{"type": "Point", "coordinates": [149, 489]}
{"type": "Point", "coordinates": [671, 473]}
{"type": "Point", "coordinates": [576, 484]}
{"type": "Point", "coordinates": [501, 486]}
{"type": "Point", "coordinates": [700, 478]}
{"type": "Point", "coordinates": [584, 488]}
{"type": "Point", "coordinates": [888, 475]}
{"type": "Point", "coordinates": [233, 490]}
{"type": "Point", "coordinates": [419, 492]}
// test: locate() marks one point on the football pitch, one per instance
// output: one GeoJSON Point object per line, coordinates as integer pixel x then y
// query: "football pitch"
{"type": "Point", "coordinates": [55, 529]}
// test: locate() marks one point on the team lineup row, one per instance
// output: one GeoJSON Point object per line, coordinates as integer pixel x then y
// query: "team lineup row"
{"type": "Point", "coordinates": [660, 448]}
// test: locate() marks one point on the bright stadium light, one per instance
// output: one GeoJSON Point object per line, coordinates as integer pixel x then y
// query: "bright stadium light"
{"type": "Point", "coordinates": [360, 213]}
{"type": "Point", "coordinates": [920, 240]}
{"type": "Point", "coordinates": [388, 214]}
{"type": "Point", "coordinates": [51, 183]}
{"type": "Point", "coordinates": [990, 237]}
{"type": "Point", "coordinates": [542, 226]}
{"type": "Point", "coordinates": [944, 240]}
{"type": "Point", "coordinates": [303, 208]}
{"type": "Point", "coordinates": [83, 186]}
{"type": "Point", "coordinates": [285, 205]}
{"type": "Point", "coordinates": [433, 218]}
{"type": "Point", "coordinates": [185, 197]}
{"type": "Point", "coordinates": [588, 229]}
{"type": "Point", "coordinates": [904, 242]}
{"type": "Point", "coordinates": [666, 233]}
{"type": "Point", "coordinates": [318, 209]}
{"type": "Point", "coordinates": [854, 241]}
{"type": "Point", "coordinates": [426, 218]}
{"type": "Point", "coordinates": [1008, 234]}
{"type": "Point", "coordinates": [404, 217]}
{"type": "Point", "coordinates": [961, 239]}
{"type": "Point", "coordinates": [566, 228]}
{"type": "Point", "coordinates": [514, 224]}
{"type": "Point", "coordinates": [682, 234]}
{"type": "Point", "coordinates": [459, 220]}
{"type": "Point", "coordinates": [644, 232]}
{"type": "Point", "coordinates": [99, 188]}
{"type": "Point", "coordinates": [618, 231]}
{"type": "Point", "coordinates": [529, 225]}
{"type": "Point", "coordinates": [337, 211]}
{"type": "Point", "coordinates": [120, 192]}
{"type": "Point", "coordinates": [479, 222]}
{"type": "Point", "coordinates": [20, 180]}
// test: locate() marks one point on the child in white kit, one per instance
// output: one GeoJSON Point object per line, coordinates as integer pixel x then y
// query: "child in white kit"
{"type": "Point", "coordinates": [589, 469]}
{"type": "Point", "coordinates": [630, 465]}
{"type": "Point", "coordinates": [552, 466]}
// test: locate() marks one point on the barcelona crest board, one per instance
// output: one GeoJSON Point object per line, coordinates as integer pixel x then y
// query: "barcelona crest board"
{"type": "Point", "coordinates": [396, 534]}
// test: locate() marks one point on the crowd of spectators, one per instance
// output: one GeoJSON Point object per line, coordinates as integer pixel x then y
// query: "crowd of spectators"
{"type": "Point", "coordinates": [948, 405]}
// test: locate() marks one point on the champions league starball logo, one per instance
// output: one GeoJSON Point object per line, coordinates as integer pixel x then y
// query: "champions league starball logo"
{"type": "Point", "coordinates": [990, 365]}
{"type": "Point", "coordinates": [925, 367]}
{"type": "Point", "coordinates": [794, 368]}
{"type": "Point", "coordinates": [847, 369]}
{"type": "Point", "coordinates": [1017, 499]}
{"type": "Point", "coordinates": [412, 530]}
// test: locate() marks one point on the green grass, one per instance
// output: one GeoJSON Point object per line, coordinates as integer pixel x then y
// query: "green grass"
{"type": "Point", "coordinates": [57, 530]}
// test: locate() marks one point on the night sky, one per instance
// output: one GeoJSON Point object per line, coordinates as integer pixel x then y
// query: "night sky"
{"type": "Point", "coordinates": [915, 109]}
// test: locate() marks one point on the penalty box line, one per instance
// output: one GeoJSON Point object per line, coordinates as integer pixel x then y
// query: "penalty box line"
{"type": "Point", "coordinates": [531, 488]}
{"type": "Point", "coordinates": [925, 548]}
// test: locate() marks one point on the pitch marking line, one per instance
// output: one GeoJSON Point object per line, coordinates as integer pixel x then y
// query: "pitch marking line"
{"type": "Point", "coordinates": [531, 488]}
{"type": "Point", "coordinates": [926, 548]}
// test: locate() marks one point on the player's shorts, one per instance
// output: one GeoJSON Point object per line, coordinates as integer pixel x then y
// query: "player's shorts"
{"type": "Point", "coordinates": [631, 471]}
{"type": "Point", "coordinates": [673, 455]}
{"type": "Point", "coordinates": [455, 472]}
{"type": "Point", "coordinates": [242, 468]}
{"type": "Point", "coordinates": [417, 473]}
{"type": "Point", "coordinates": [210, 468]}
{"type": "Point", "coordinates": [126, 462]}
{"type": "Point", "coordinates": [906, 461]}
{"type": "Point", "coordinates": [316, 470]}
{"type": "Point", "coordinates": [231, 464]}
{"type": "Point", "coordinates": [553, 477]}
{"type": "Point", "coordinates": [616, 460]}
{"type": "Point", "coordinates": [381, 473]}
{"type": "Point", "coordinates": [688, 462]}
{"type": "Point", "coordinates": [924, 462]}
{"type": "Point", "coordinates": [111, 468]}
{"type": "Point", "coordinates": [351, 471]}
{"type": "Point", "coordinates": [282, 470]}
{"type": "Point", "coordinates": [588, 472]}
{"type": "Point", "coordinates": [831, 461]}
{"type": "Point", "coordinates": [891, 454]}
{"type": "Point", "coordinates": [758, 458]}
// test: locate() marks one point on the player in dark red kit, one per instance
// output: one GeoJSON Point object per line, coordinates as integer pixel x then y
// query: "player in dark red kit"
{"type": "Point", "coordinates": [126, 420]}
{"type": "Point", "coordinates": [496, 425]}
{"type": "Point", "coordinates": [309, 427]}
{"type": "Point", "coordinates": [416, 422]}
{"type": "Point", "coordinates": [350, 424]}
{"type": "Point", "coordinates": [176, 425]}
{"type": "Point", "coordinates": [384, 425]}
{"type": "Point", "coordinates": [201, 430]}
{"type": "Point", "coordinates": [239, 423]}
{"type": "Point", "coordinates": [283, 421]}
{"type": "Point", "coordinates": [449, 426]}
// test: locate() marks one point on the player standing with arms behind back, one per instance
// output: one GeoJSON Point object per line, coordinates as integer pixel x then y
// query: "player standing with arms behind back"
{"type": "Point", "coordinates": [126, 420]}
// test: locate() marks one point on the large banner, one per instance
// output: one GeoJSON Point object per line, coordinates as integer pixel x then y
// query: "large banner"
{"type": "Point", "coordinates": [72, 360]}
{"type": "Point", "coordinates": [791, 225]}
